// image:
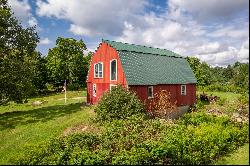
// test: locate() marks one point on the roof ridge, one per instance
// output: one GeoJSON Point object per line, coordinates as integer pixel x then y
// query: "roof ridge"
{"type": "Point", "coordinates": [177, 55]}
{"type": "Point", "coordinates": [152, 53]}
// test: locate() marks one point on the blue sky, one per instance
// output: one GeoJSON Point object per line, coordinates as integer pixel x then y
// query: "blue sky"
{"type": "Point", "coordinates": [214, 31]}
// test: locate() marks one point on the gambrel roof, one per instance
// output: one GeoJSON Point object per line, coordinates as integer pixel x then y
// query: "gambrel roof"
{"type": "Point", "coordinates": [151, 66]}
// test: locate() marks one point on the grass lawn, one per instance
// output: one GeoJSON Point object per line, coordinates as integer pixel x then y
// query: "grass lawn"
{"type": "Point", "coordinates": [227, 95]}
{"type": "Point", "coordinates": [239, 157]}
{"type": "Point", "coordinates": [24, 124]}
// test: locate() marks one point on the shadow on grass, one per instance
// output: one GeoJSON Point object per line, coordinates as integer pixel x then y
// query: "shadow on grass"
{"type": "Point", "coordinates": [10, 120]}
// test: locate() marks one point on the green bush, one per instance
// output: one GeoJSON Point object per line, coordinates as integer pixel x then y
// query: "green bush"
{"type": "Point", "coordinates": [196, 138]}
{"type": "Point", "coordinates": [118, 103]}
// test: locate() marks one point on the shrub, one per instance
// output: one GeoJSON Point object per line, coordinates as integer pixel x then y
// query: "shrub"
{"type": "Point", "coordinates": [118, 103]}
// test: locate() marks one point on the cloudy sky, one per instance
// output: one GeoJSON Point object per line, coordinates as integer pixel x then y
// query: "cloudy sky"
{"type": "Point", "coordinates": [214, 31]}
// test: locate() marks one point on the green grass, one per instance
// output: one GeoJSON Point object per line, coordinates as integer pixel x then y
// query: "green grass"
{"type": "Point", "coordinates": [23, 124]}
{"type": "Point", "coordinates": [238, 157]}
{"type": "Point", "coordinates": [227, 95]}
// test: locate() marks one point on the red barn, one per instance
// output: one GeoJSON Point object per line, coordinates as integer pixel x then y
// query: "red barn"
{"type": "Point", "coordinates": [142, 69]}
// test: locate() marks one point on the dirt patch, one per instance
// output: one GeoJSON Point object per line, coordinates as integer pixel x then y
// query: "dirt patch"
{"type": "Point", "coordinates": [80, 129]}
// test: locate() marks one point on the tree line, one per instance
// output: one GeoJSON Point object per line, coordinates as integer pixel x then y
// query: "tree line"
{"type": "Point", "coordinates": [26, 73]}
{"type": "Point", "coordinates": [233, 78]}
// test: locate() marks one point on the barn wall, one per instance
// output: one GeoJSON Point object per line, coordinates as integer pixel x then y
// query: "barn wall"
{"type": "Point", "coordinates": [175, 90]}
{"type": "Point", "coordinates": [104, 54]}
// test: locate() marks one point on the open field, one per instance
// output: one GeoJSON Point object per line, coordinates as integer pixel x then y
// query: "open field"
{"type": "Point", "coordinates": [23, 125]}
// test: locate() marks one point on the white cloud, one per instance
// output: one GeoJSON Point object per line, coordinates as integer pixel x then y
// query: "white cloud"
{"type": "Point", "coordinates": [45, 41]}
{"type": "Point", "coordinates": [231, 31]}
{"type": "Point", "coordinates": [227, 56]}
{"type": "Point", "coordinates": [22, 11]}
{"type": "Point", "coordinates": [91, 17]}
{"type": "Point", "coordinates": [212, 30]}
{"type": "Point", "coordinates": [211, 10]}
{"type": "Point", "coordinates": [243, 55]}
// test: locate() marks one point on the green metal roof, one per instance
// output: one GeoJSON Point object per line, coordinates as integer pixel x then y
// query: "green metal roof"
{"type": "Point", "coordinates": [138, 48]}
{"type": "Point", "coordinates": [151, 66]}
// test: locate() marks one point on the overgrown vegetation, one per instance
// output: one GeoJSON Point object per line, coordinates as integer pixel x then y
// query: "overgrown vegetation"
{"type": "Point", "coordinates": [195, 138]}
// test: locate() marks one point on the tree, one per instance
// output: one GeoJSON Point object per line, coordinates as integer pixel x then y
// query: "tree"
{"type": "Point", "coordinates": [66, 62]}
{"type": "Point", "coordinates": [40, 73]}
{"type": "Point", "coordinates": [17, 57]}
{"type": "Point", "coordinates": [241, 75]}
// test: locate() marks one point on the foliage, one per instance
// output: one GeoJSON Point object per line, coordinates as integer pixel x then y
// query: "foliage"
{"type": "Point", "coordinates": [119, 103]}
{"type": "Point", "coordinates": [17, 57]}
{"type": "Point", "coordinates": [161, 104]}
{"type": "Point", "coordinates": [233, 78]}
{"type": "Point", "coordinates": [66, 62]}
{"type": "Point", "coordinates": [197, 138]}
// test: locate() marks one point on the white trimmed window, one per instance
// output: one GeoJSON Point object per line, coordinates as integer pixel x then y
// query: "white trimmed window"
{"type": "Point", "coordinates": [150, 92]}
{"type": "Point", "coordinates": [98, 72]}
{"type": "Point", "coordinates": [94, 90]}
{"type": "Point", "coordinates": [113, 70]}
{"type": "Point", "coordinates": [112, 86]}
{"type": "Point", "coordinates": [183, 89]}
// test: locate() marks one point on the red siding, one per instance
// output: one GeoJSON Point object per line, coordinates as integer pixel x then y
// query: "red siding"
{"type": "Point", "coordinates": [104, 54]}
{"type": "Point", "coordinates": [175, 90]}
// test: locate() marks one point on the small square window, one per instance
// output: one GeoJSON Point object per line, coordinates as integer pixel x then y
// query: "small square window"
{"type": "Point", "coordinates": [183, 89]}
{"type": "Point", "coordinates": [150, 92]}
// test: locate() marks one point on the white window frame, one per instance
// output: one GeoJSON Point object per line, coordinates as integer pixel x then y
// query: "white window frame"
{"type": "Point", "coordinates": [94, 90]}
{"type": "Point", "coordinates": [98, 71]}
{"type": "Point", "coordinates": [183, 90]}
{"type": "Point", "coordinates": [112, 85]}
{"type": "Point", "coordinates": [115, 68]}
{"type": "Point", "coordinates": [150, 87]}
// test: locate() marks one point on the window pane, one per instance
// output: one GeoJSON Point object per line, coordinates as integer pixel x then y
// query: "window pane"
{"type": "Point", "coordinates": [150, 92]}
{"type": "Point", "coordinates": [96, 70]}
{"type": "Point", "coordinates": [100, 69]}
{"type": "Point", "coordinates": [113, 70]}
{"type": "Point", "coordinates": [183, 90]}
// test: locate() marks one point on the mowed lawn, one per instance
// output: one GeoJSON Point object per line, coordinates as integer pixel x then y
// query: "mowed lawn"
{"type": "Point", "coordinates": [238, 157]}
{"type": "Point", "coordinates": [22, 125]}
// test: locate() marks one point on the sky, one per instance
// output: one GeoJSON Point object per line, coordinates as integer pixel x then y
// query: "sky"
{"type": "Point", "coordinates": [216, 32]}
